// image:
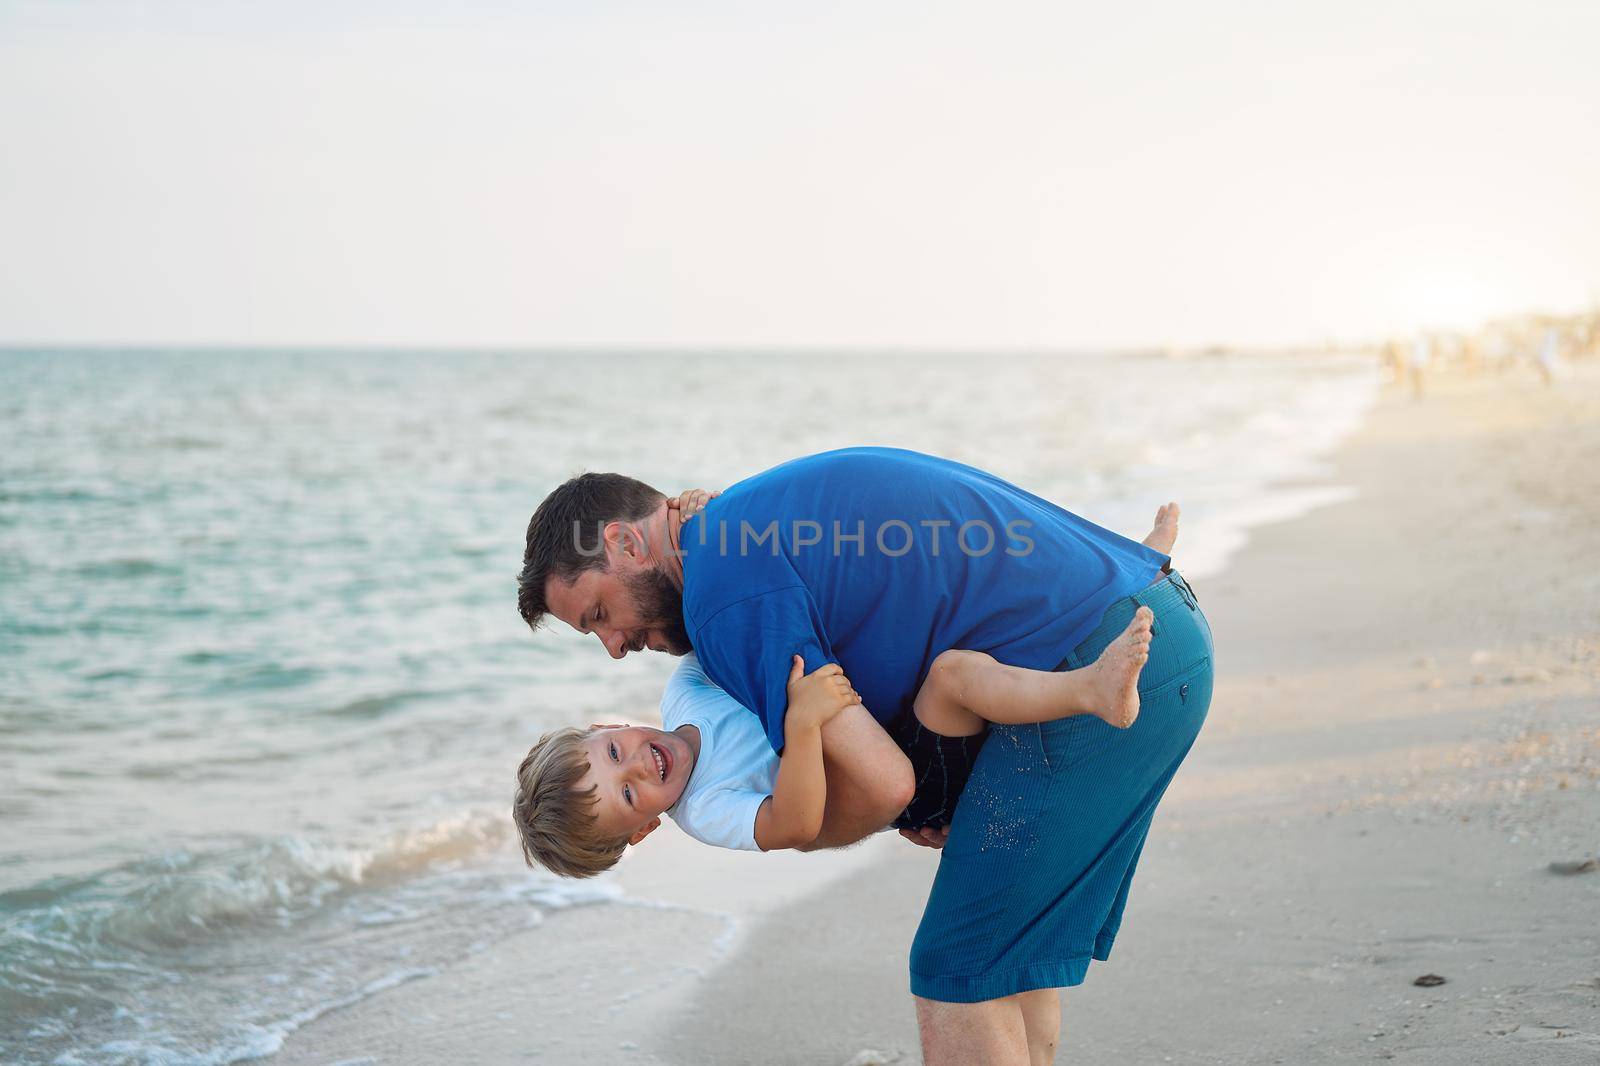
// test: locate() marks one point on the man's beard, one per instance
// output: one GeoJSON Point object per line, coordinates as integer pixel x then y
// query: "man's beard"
{"type": "Point", "coordinates": [661, 604]}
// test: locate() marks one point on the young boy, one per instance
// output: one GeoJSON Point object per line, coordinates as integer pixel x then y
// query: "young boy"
{"type": "Point", "coordinates": [583, 796]}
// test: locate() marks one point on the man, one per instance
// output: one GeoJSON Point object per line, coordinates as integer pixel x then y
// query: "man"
{"type": "Point", "coordinates": [879, 560]}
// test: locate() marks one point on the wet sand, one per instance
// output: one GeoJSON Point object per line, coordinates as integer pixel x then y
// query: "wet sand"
{"type": "Point", "coordinates": [1405, 736]}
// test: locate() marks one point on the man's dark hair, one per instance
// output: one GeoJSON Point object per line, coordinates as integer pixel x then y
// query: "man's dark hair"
{"type": "Point", "coordinates": [564, 534]}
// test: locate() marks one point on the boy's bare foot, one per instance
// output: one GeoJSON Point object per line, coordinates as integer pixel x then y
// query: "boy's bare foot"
{"type": "Point", "coordinates": [1165, 533]}
{"type": "Point", "coordinates": [1116, 672]}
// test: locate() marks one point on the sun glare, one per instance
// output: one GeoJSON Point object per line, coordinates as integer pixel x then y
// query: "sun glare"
{"type": "Point", "coordinates": [1448, 299]}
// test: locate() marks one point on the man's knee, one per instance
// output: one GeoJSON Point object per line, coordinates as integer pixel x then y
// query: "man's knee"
{"type": "Point", "coordinates": [956, 1034]}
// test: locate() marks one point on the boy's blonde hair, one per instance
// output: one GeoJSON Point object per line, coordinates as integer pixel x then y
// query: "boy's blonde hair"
{"type": "Point", "coordinates": [553, 815]}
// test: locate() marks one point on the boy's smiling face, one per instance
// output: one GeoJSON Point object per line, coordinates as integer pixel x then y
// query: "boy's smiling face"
{"type": "Point", "coordinates": [639, 772]}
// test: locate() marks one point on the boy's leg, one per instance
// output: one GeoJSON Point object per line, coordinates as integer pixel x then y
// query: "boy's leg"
{"type": "Point", "coordinates": [966, 689]}
{"type": "Point", "coordinates": [869, 779]}
{"type": "Point", "coordinates": [1165, 532]}
{"type": "Point", "coordinates": [949, 701]}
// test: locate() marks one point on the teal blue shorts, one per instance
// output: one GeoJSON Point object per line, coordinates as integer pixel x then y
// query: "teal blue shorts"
{"type": "Point", "coordinates": [1033, 881]}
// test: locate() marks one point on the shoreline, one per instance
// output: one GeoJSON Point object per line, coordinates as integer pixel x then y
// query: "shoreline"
{"type": "Point", "coordinates": [619, 966]}
{"type": "Point", "coordinates": [1375, 793]}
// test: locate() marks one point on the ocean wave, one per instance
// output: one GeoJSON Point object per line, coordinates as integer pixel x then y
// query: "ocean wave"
{"type": "Point", "coordinates": [265, 676]}
{"type": "Point", "coordinates": [215, 956]}
{"type": "Point", "coordinates": [174, 900]}
{"type": "Point", "coordinates": [124, 568]}
{"type": "Point", "coordinates": [377, 706]}
{"type": "Point", "coordinates": [244, 1042]}
{"type": "Point", "coordinates": [171, 901]}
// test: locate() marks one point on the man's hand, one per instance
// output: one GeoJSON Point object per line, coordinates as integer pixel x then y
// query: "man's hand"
{"type": "Point", "coordinates": [927, 836]}
{"type": "Point", "coordinates": [690, 502]}
{"type": "Point", "coordinates": [815, 698]}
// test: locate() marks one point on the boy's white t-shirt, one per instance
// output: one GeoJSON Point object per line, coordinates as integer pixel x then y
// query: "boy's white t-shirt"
{"type": "Point", "coordinates": [736, 768]}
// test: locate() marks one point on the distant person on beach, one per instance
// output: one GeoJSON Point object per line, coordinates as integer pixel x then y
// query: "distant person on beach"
{"type": "Point", "coordinates": [1498, 351]}
{"type": "Point", "coordinates": [1392, 356]}
{"type": "Point", "coordinates": [879, 560]}
{"type": "Point", "coordinates": [584, 795]}
{"type": "Point", "coordinates": [1420, 355]}
{"type": "Point", "coordinates": [1549, 356]}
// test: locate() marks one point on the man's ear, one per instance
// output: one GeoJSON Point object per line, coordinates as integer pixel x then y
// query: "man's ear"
{"type": "Point", "coordinates": [645, 831]}
{"type": "Point", "coordinates": [615, 539]}
{"type": "Point", "coordinates": [624, 538]}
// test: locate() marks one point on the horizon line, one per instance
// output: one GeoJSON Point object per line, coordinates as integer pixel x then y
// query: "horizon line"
{"type": "Point", "coordinates": [434, 348]}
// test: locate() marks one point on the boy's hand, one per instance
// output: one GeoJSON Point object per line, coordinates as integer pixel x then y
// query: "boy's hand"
{"type": "Point", "coordinates": [690, 502]}
{"type": "Point", "coordinates": [816, 697]}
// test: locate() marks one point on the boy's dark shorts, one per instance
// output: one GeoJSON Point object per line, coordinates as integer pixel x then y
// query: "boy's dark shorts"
{"type": "Point", "coordinates": [942, 765]}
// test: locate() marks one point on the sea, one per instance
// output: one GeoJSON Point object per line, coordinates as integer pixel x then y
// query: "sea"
{"type": "Point", "coordinates": [263, 685]}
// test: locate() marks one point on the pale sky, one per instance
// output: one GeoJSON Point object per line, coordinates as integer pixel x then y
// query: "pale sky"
{"type": "Point", "coordinates": [791, 174]}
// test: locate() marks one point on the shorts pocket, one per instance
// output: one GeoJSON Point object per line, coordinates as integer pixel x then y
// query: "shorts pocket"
{"type": "Point", "coordinates": [1180, 684]}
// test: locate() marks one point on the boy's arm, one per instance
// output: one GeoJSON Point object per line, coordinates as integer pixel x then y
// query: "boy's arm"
{"type": "Point", "coordinates": [792, 816]}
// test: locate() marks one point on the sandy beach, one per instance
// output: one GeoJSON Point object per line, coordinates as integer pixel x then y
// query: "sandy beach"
{"type": "Point", "coordinates": [1405, 737]}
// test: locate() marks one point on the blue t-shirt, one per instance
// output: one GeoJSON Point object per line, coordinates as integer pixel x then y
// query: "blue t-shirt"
{"type": "Point", "coordinates": [879, 559]}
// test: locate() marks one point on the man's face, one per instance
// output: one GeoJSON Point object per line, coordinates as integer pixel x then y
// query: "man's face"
{"type": "Point", "coordinates": [639, 772]}
{"type": "Point", "coordinates": [629, 606]}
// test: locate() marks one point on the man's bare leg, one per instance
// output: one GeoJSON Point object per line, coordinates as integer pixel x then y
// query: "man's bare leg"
{"type": "Point", "coordinates": [959, 1034]}
{"type": "Point", "coordinates": [869, 779]}
{"type": "Point", "coordinates": [1041, 1018]}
